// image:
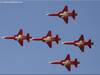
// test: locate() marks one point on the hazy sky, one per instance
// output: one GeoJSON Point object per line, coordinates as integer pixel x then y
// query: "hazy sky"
{"type": "Point", "coordinates": [33, 57]}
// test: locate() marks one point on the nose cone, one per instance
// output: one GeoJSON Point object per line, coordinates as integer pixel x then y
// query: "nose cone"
{"type": "Point", "coordinates": [63, 42]}
{"type": "Point", "coordinates": [50, 62]}
{"type": "Point", "coordinates": [47, 14]}
{"type": "Point", "coordinates": [3, 37]}
{"type": "Point", "coordinates": [55, 62]}
{"type": "Point", "coordinates": [34, 39]}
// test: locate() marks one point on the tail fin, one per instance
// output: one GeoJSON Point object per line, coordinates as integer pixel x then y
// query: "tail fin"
{"type": "Point", "coordinates": [57, 39]}
{"type": "Point", "coordinates": [28, 37]}
{"type": "Point", "coordinates": [74, 14]}
{"type": "Point", "coordinates": [90, 43]}
{"type": "Point", "coordinates": [76, 62]}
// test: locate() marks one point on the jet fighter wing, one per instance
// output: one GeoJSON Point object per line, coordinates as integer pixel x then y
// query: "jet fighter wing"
{"type": "Point", "coordinates": [49, 33]}
{"type": "Point", "coordinates": [20, 32]}
{"type": "Point", "coordinates": [68, 67]}
{"type": "Point", "coordinates": [81, 48]}
{"type": "Point", "coordinates": [81, 38]}
{"type": "Point", "coordinates": [67, 57]}
{"type": "Point", "coordinates": [20, 42]}
{"type": "Point", "coordinates": [65, 19]}
{"type": "Point", "coordinates": [49, 44]}
{"type": "Point", "coordinates": [65, 8]}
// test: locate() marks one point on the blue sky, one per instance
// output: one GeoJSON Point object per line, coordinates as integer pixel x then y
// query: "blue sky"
{"type": "Point", "coordinates": [33, 57]}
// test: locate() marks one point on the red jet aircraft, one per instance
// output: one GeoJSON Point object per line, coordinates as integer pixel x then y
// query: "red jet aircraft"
{"type": "Point", "coordinates": [80, 43]}
{"type": "Point", "coordinates": [67, 62]}
{"type": "Point", "coordinates": [64, 14]}
{"type": "Point", "coordinates": [19, 37]}
{"type": "Point", "coordinates": [48, 39]}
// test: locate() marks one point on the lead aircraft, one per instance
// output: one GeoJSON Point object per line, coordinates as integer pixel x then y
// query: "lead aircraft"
{"type": "Point", "coordinates": [19, 37]}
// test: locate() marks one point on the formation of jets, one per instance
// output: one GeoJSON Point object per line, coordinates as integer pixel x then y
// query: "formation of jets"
{"type": "Point", "coordinates": [49, 39]}
{"type": "Point", "coordinates": [67, 62]}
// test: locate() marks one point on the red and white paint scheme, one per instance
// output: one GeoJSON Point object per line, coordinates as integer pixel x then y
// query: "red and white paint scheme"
{"type": "Point", "coordinates": [48, 39]}
{"type": "Point", "coordinates": [19, 37]}
{"type": "Point", "coordinates": [80, 43]}
{"type": "Point", "coordinates": [64, 14]}
{"type": "Point", "coordinates": [67, 62]}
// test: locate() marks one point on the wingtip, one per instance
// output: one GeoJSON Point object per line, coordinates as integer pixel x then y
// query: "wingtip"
{"type": "Point", "coordinates": [20, 29]}
{"type": "Point", "coordinates": [68, 54]}
{"type": "Point", "coordinates": [65, 5]}
{"type": "Point", "coordinates": [82, 35]}
{"type": "Point", "coordinates": [21, 45]}
{"type": "Point", "coordinates": [50, 31]}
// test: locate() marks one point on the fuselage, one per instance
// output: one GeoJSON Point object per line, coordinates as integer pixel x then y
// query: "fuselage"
{"type": "Point", "coordinates": [20, 37]}
{"type": "Point", "coordinates": [47, 39]}
{"type": "Point", "coordinates": [80, 43]}
{"type": "Point", "coordinates": [67, 62]}
{"type": "Point", "coordinates": [63, 14]}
